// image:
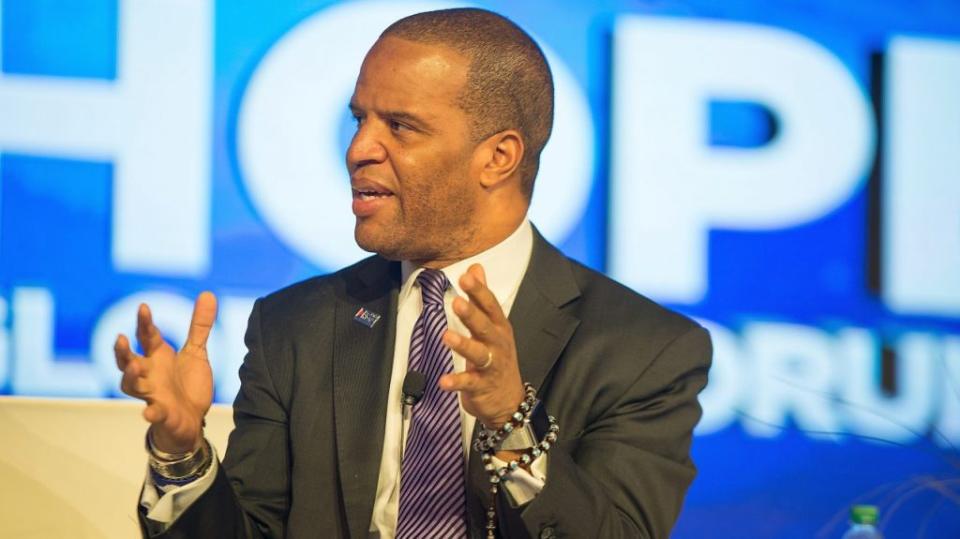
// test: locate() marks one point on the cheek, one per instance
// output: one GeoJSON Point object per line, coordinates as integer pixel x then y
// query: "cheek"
{"type": "Point", "coordinates": [434, 174]}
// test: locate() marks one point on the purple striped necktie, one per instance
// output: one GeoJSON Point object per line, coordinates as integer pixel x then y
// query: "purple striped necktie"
{"type": "Point", "coordinates": [431, 472]}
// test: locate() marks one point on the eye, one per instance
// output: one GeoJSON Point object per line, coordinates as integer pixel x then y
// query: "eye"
{"type": "Point", "coordinates": [396, 126]}
{"type": "Point", "coordinates": [357, 119]}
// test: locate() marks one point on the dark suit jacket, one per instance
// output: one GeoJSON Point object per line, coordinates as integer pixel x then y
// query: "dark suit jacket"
{"type": "Point", "coordinates": [620, 373]}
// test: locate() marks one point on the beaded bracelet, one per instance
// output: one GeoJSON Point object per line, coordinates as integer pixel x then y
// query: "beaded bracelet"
{"type": "Point", "coordinates": [488, 449]}
{"type": "Point", "coordinates": [488, 439]}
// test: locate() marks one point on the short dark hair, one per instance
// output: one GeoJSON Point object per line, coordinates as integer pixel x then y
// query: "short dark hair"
{"type": "Point", "coordinates": [509, 84]}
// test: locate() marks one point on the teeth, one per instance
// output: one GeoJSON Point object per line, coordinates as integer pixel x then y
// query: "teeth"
{"type": "Point", "coordinates": [369, 195]}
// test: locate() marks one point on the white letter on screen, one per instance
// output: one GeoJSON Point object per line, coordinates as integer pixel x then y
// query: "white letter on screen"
{"type": "Point", "coordinates": [153, 122]}
{"type": "Point", "coordinates": [35, 370]}
{"type": "Point", "coordinates": [232, 319]}
{"type": "Point", "coordinates": [669, 187]}
{"type": "Point", "coordinates": [947, 427]}
{"type": "Point", "coordinates": [793, 370]}
{"type": "Point", "coordinates": [897, 418]}
{"type": "Point", "coordinates": [921, 182]}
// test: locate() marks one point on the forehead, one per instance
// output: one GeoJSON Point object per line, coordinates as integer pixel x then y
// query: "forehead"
{"type": "Point", "coordinates": [407, 75]}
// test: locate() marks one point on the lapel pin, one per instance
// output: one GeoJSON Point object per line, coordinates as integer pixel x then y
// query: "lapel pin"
{"type": "Point", "coordinates": [365, 317]}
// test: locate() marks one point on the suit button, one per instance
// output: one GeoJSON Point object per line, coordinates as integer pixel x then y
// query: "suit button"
{"type": "Point", "coordinates": [548, 533]}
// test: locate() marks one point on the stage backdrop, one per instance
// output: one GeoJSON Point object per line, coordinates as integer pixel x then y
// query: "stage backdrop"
{"type": "Point", "coordinates": [786, 172]}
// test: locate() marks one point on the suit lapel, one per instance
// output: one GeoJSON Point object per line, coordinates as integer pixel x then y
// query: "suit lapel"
{"type": "Point", "coordinates": [362, 363]}
{"type": "Point", "coordinates": [540, 325]}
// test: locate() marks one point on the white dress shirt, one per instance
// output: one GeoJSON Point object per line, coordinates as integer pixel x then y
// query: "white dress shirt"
{"type": "Point", "coordinates": [504, 265]}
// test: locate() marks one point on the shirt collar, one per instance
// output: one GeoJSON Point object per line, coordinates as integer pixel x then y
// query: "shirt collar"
{"type": "Point", "coordinates": [504, 265]}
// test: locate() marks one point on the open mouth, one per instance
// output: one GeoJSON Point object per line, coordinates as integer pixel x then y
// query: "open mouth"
{"type": "Point", "coordinates": [366, 194]}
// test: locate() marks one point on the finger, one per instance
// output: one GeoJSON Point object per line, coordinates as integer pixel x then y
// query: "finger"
{"type": "Point", "coordinates": [477, 271]}
{"type": "Point", "coordinates": [475, 352]}
{"type": "Point", "coordinates": [466, 381]}
{"type": "Point", "coordinates": [473, 282]}
{"type": "Point", "coordinates": [204, 315]}
{"type": "Point", "coordinates": [133, 383]}
{"type": "Point", "coordinates": [155, 413]}
{"type": "Point", "coordinates": [147, 333]}
{"type": "Point", "coordinates": [477, 321]}
{"type": "Point", "coordinates": [122, 351]}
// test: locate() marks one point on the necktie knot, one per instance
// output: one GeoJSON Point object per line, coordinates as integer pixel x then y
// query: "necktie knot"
{"type": "Point", "coordinates": [433, 285]}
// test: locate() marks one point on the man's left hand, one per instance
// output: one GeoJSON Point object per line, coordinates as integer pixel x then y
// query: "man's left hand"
{"type": "Point", "coordinates": [490, 387]}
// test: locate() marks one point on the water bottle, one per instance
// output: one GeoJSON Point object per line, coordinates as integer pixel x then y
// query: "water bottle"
{"type": "Point", "coordinates": [863, 523]}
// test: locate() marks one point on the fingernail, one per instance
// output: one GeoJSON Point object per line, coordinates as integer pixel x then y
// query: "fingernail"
{"type": "Point", "coordinates": [453, 338]}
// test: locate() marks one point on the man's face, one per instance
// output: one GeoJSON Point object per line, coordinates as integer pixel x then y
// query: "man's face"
{"type": "Point", "coordinates": [409, 160]}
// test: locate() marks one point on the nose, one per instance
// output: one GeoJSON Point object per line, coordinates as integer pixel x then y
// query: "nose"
{"type": "Point", "coordinates": [365, 147]}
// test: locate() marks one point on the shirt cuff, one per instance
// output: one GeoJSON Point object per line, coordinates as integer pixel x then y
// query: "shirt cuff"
{"type": "Point", "coordinates": [164, 504]}
{"type": "Point", "coordinates": [523, 486]}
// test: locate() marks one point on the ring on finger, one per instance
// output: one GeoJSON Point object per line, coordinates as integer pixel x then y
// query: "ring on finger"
{"type": "Point", "coordinates": [487, 363]}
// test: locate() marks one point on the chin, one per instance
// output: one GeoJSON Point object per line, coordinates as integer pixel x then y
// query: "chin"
{"type": "Point", "coordinates": [374, 241]}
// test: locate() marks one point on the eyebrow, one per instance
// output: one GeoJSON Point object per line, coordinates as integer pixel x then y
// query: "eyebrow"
{"type": "Point", "coordinates": [400, 115]}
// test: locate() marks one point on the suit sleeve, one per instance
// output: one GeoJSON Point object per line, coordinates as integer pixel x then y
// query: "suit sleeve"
{"type": "Point", "coordinates": [250, 494]}
{"type": "Point", "coordinates": [626, 474]}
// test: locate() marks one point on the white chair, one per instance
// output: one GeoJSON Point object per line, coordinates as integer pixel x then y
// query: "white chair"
{"type": "Point", "coordinates": [74, 468]}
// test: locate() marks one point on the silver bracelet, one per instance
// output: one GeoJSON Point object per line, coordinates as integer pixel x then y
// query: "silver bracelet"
{"type": "Point", "coordinates": [519, 438]}
{"type": "Point", "coordinates": [179, 466]}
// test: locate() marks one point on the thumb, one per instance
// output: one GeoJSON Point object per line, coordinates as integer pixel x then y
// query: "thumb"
{"type": "Point", "coordinates": [204, 315]}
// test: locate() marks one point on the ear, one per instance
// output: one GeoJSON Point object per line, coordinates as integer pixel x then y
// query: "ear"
{"type": "Point", "coordinates": [499, 157]}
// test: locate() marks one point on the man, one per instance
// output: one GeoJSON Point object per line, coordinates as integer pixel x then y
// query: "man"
{"type": "Point", "coordinates": [453, 109]}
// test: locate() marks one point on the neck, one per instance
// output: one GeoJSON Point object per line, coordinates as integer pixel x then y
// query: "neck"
{"type": "Point", "coordinates": [492, 234]}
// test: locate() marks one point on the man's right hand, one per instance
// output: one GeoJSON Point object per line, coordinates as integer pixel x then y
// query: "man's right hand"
{"type": "Point", "coordinates": [177, 387]}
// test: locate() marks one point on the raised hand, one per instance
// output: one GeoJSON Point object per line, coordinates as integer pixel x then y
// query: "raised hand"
{"type": "Point", "coordinates": [490, 387]}
{"type": "Point", "coordinates": [177, 387]}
